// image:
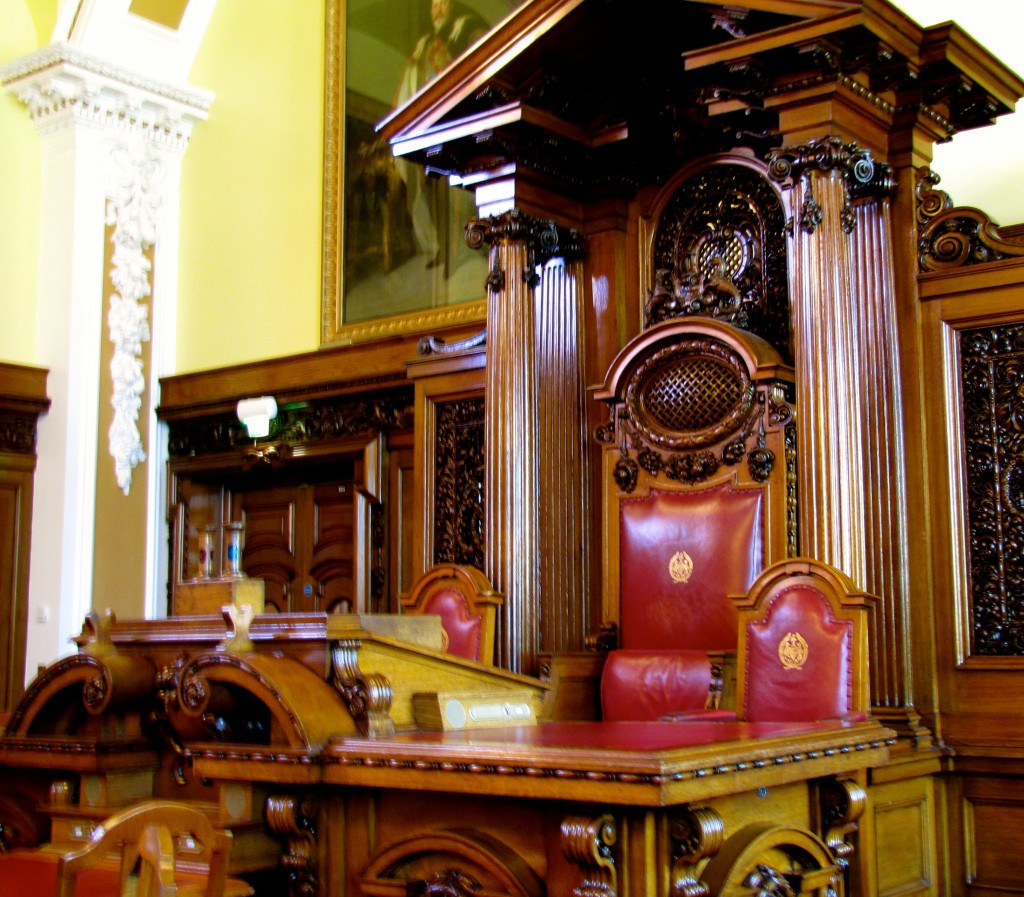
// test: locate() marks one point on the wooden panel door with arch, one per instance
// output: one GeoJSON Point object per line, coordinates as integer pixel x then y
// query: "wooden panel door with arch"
{"type": "Point", "coordinates": [299, 538]}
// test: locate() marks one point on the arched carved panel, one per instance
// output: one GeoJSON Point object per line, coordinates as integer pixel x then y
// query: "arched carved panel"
{"type": "Point", "coordinates": [763, 860]}
{"type": "Point", "coordinates": [450, 864]}
{"type": "Point", "coordinates": [719, 250]}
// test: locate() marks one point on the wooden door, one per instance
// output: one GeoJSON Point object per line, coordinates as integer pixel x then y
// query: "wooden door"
{"type": "Point", "coordinates": [299, 540]}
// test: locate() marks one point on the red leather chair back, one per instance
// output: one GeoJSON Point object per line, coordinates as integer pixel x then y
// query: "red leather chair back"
{"type": "Point", "coordinates": [462, 629]}
{"type": "Point", "coordinates": [798, 664]}
{"type": "Point", "coordinates": [682, 554]}
{"type": "Point", "coordinates": [468, 606]}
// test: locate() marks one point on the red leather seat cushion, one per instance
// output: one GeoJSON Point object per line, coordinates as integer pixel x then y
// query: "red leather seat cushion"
{"type": "Point", "coordinates": [786, 681]}
{"type": "Point", "coordinates": [464, 630]}
{"type": "Point", "coordinates": [718, 534]}
{"type": "Point", "coordinates": [27, 875]}
{"type": "Point", "coordinates": [647, 685]}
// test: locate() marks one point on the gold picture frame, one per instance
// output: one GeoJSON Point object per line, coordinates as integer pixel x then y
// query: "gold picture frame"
{"type": "Point", "coordinates": [379, 280]}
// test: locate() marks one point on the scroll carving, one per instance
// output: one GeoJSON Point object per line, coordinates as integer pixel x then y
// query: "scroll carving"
{"type": "Point", "coordinates": [291, 817]}
{"type": "Point", "coordinates": [843, 802]}
{"type": "Point", "coordinates": [861, 175]}
{"type": "Point", "coordinates": [544, 241]}
{"type": "Point", "coordinates": [697, 833]}
{"type": "Point", "coordinates": [459, 493]}
{"type": "Point", "coordinates": [955, 237]}
{"type": "Point", "coordinates": [991, 374]}
{"type": "Point", "coordinates": [587, 842]}
{"type": "Point", "coordinates": [368, 695]}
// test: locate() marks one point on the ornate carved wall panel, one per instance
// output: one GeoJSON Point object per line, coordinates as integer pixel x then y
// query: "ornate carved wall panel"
{"type": "Point", "coordinates": [720, 250]}
{"type": "Point", "coordinates": [459, 489]}
{"type": "Point", "coordinates": [991, 378]}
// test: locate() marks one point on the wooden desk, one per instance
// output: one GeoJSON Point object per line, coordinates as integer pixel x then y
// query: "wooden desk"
{"type": "Point", "coordinates": [620, 807]}
{"type": "Point", "coordinates": [299, 735]}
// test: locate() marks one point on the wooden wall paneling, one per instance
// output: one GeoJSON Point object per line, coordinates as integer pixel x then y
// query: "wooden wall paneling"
{"type": "Point", "coordinates": [903, 813]}
{"type": "Point", "coordinates": [22, 400]}
{"type": "Point", "coordinates": [400, 506]}
{"type": "Point", "coordinates": [449, 395]}
{"type": "Point", "coordinates": [980, 715]}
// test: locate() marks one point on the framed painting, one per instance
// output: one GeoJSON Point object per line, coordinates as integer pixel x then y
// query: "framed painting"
{"type": "Point", "coordinates": [395, 259]}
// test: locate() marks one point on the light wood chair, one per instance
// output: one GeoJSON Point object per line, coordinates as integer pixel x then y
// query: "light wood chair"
{"type": "Point", "coordinates": [156, 837]}
{"type": "Point", "coordinates": [467, 605]}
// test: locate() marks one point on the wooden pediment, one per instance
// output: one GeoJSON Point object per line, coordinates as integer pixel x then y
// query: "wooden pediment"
{"type": "Point", "coordinates": [600, 95]}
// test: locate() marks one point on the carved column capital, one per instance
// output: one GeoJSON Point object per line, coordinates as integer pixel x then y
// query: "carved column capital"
{"type": "Point", "coordinates": [861, 176]}
{"type": "Point", "coordinates": [63, 86]}
{"type": "Point", "coordinates": [826, 154]}
{"type": "Point", "coordinates": [543, 238]}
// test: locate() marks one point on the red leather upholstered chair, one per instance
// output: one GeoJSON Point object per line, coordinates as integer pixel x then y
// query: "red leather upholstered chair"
{"type": "Point", "coordinates": [695, 506]}
{"type": "Point", "coordinates": [803, 646]}
{"type": "Point", "coordinates": [149, 834]}
{"type": "Point", "coordinates": [467, 605]}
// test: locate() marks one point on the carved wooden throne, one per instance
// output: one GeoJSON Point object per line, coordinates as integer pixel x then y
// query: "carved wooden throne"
{"type": "Point", "coordinates": [699, 498]}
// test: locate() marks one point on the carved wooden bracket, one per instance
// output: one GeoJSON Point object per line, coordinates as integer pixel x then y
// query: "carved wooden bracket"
{"type": "Point", "coordinates": [368, 695]}
{"type": "Point", "coordinates": [587, 842]}
{"type": "Point", "coordinates": [698, 833]}
{"type": "Point", "coordinates": [293, 817]}
{"type": "Point", "coordinates": [843, 802]}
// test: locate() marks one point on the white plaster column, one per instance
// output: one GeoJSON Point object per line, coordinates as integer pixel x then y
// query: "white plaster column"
{"type": "Point", "coordinates": [111, 148]}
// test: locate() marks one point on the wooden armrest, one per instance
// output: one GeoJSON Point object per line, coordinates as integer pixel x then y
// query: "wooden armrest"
{"type": "Point", "coordinates": [575, 680]}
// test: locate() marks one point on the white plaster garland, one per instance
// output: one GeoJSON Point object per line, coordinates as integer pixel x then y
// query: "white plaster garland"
{"type": "Point", "coordinates": [132, 210]}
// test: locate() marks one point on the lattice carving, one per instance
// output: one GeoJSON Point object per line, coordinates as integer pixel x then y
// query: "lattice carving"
{"type": "Point", "coordinates": [991, 380]}
{"type": "Point", "coordinates": [720, 250]}
{"type": "Point", "coordinates": [691, 408]}
{"type": "Point", "coordinates": [690, 395]}
{"type": "Point", "coordinates": [459, 493]}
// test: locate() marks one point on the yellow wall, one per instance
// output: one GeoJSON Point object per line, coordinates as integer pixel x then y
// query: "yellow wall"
{"type": "Point", "coordinates": [249, 277]}
{"type": "Point", "coordinates": [24, 27]}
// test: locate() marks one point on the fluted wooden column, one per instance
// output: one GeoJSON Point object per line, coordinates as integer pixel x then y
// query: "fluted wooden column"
{"type": "Point", "coordinates": [851, 463]}
{"type": "Point", "coordinates": [827, 346]}
{"type": "Point", "coordinates": [884, 471]}
{"type": "Point", "coordinates": [535, 481]}
{"type": "Point", "coordinates": [561, 419]}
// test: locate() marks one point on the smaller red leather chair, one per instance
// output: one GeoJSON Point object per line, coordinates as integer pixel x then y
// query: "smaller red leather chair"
{"type": "Point", "coordinates": [467, 605]}
{"type": "Point", "coordinates": [803, 647]}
